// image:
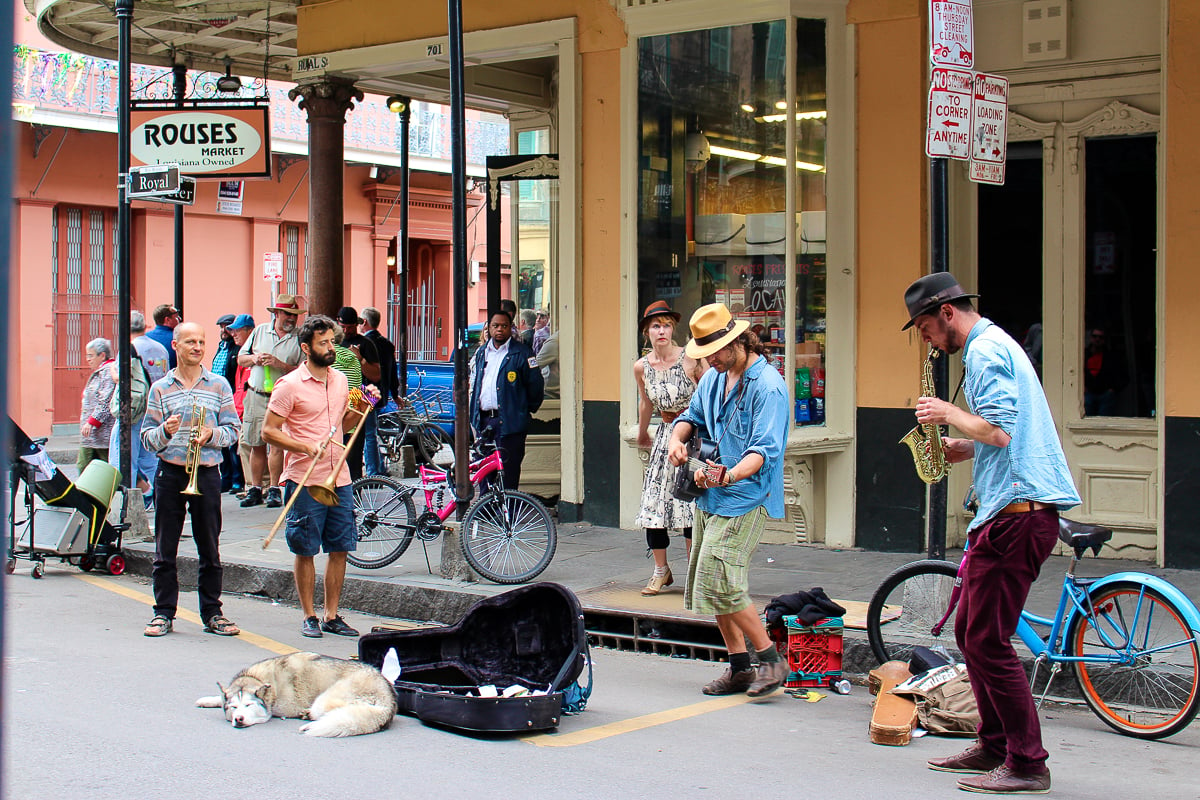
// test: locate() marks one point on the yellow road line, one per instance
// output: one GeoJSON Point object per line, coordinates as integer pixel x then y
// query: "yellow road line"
{"type": "Point", "coordinates": [589, 735]}
{"type": "Point", "coordinates": [270, 645]}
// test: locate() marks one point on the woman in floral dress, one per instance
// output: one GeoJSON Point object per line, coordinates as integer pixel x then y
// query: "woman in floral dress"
{"type": "Point", "coordinates": [666, 379]}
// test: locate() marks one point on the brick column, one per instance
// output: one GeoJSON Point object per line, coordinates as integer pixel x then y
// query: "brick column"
{"type": "Point", "coordinates": [326, 103]}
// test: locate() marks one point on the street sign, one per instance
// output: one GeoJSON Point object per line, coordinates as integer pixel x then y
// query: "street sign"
{"type": "Point", "coordinates": [185, 195]}
{"type": "Point", "coordinates": [951, 33]}
{"type": "Point", "coordinates": [153, 180]}
{"type": "Point", "coordinates": [989, 128]}
{"type": "Point", "coordinates": [272, 266]}
{"type": "Point", "coordinates": [948, 134]}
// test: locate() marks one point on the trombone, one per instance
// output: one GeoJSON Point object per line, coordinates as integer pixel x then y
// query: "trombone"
{"type": "Point", "coordinates": [191, 464]}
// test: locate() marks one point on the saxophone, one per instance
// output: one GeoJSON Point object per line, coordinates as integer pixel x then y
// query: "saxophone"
{"type": "Point", "coordinates": [925, 441]}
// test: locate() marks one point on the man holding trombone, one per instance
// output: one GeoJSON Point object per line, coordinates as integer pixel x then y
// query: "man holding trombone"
{"type": "Point", "coordinates": [308, 411]}
{"type": "Point", "coordinates": [189, 418]}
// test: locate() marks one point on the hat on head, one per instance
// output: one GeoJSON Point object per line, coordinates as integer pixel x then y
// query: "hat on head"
{"type": "Point", "coordinates": [289, 303]}
{"type": "Point", "coordinates": [225, 320]}
{"type": "Point", "coordinates": [348, 316]}
{"type": "Point", "coordinates": [713, 327]}
{"type": "Point", "coordinates": [926, 294]}
{"type": "Point", "coordinates": [658, 308]}
{"type": "Point", "coordinates": [241, 321]}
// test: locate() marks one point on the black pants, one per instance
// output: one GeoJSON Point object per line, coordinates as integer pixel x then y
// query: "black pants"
{"type": "Point", "coordinates": [170, 506]}
{"type": "Point", "coordinates": [512, 453]}
{"type": "Point", "coordinates": [354, 458]}
{"type": "Point", "coordinates": [231, 469]}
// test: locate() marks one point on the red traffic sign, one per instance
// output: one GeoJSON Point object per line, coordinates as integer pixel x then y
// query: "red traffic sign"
{"type": "Point", "coordinates": [951, 33]}
{"type": "Point", "coordinates": [989, 128]}
{"type": "Point", "coordinates": [948, 134]}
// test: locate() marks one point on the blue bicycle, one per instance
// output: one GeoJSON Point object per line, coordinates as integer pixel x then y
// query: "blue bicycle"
{"type": "Point", "coordinates": [1130, 637]}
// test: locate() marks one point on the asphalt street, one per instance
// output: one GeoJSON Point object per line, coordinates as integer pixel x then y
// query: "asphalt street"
{"type": "Point", "coordinates": [92, 709]}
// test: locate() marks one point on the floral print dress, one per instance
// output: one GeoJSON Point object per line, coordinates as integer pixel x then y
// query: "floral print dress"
{"type": "Point", "coordinates": [670, 390]}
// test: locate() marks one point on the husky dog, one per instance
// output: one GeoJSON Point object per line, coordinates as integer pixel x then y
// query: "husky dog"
{"type": "Point", "coordinates": [342, 698]}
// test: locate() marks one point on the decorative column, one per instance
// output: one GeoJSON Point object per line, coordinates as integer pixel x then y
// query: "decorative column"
{"type": "Point", "coordinates": [326, 103]}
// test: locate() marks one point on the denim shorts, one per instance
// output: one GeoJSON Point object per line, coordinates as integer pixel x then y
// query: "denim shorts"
{"type": "Point", "coordinates": [312, 526]}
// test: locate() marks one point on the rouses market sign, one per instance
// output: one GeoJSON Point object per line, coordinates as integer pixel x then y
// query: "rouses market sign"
{"type": "Point", "coordinates": [207, 143]}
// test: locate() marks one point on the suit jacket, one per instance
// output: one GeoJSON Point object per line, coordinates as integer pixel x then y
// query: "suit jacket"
{"type": "Point", "coordinates": [519, 388]}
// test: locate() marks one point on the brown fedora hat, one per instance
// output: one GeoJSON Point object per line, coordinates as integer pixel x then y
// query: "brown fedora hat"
{"type": "Point", "coordinates": [658, 308]}
{"type": "Point", "coordinates": [713, 327]}
{"type": "Point", "coordinates": [928, 293]}
{"type": "Point", "coordinates": [289, 303]}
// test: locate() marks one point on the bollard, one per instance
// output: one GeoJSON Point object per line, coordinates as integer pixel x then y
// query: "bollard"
{"type": "Point", "coordinates": [453, 566]}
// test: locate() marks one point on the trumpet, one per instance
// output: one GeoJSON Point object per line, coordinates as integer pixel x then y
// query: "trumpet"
{"type": "Point", "coordinates": [191, 464]}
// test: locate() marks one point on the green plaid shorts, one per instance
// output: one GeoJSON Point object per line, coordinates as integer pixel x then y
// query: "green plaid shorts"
{"type": "Point", "coordinates": [719, 570]}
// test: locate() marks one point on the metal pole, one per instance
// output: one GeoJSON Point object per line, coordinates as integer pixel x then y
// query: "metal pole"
{"type": "Point", "coordinates": [401, 332]}
{"type": "Point", "coordinates": [464, 490]}
{"type": "Point", "coordinates": [6, 432]}
{"type": "Point", "coordinates": [180, 75]}
{"type": "Point", "coordinates": [124, 10]}
{"type": "Point", "coordinates": [939, 250]}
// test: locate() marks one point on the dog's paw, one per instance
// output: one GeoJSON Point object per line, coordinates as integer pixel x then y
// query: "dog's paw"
{"type": "Point", "coordinates": [215, 701]}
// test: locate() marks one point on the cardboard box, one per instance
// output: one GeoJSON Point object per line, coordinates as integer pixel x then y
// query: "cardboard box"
{"type": "Point", "coordinates": [765, 233]}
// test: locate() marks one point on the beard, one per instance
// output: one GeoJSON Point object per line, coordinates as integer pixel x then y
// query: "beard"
{"type": "Point", "coordinates": [325, 360]}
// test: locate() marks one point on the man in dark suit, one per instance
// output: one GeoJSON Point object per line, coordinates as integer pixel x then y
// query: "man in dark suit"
{"type": "Point", "coordinates": [389, 386]}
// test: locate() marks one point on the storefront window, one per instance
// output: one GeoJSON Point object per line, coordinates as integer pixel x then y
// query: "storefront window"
{"type": "Point", "coordinates": [715, 175]}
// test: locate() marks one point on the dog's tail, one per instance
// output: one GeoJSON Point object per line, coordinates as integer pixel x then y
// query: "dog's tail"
{"type": "Point", "coordinates": [354, 719]}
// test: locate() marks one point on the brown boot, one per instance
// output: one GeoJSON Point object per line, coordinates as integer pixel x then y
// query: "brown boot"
{"type": "Point", "coordinates": [658, 583]}
{"type": "Point", "coordinates": [769, 678]}
{"type": "Point", "coordinates": [731, 682]}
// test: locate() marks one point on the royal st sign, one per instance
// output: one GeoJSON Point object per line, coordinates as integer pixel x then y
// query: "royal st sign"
{"type": "Point", "coordinates": [948, 134]}
{"type": "Point", "coordinates": [204, 141]}
{"type": "Point", "coordinates": [153, 181]}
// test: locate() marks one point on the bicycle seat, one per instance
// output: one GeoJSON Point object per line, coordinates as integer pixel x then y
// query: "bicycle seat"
{"type": "Point", "coordinates": [1079, 536]}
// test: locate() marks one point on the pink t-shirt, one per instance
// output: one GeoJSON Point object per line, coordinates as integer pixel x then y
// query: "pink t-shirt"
{"type": "Point", "coordinates": [310, 408]}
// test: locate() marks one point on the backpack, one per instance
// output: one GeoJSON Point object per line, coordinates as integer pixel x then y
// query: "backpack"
{"type": "Point", "coordinates": [139, 389]}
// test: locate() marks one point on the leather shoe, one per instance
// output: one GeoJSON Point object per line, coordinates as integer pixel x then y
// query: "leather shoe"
{"type": "Point", "coordinates": [730, 682]}
{"type": "Point", "coordinates": [1003, 780]}
{"type": "Point", "coordinates": [658, 583]}
{"type": "Point", "coordinates": [274, 497]}
{"type": "Point", "coordinates": [974, 759]}
{"type": "Point", "coordinates": [253, 497]}
{"type": "Point", "coordinates": [770, 677]}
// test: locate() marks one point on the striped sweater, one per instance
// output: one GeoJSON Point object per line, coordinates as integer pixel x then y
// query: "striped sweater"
{"type": "Point", "coordinates": [168, 396]}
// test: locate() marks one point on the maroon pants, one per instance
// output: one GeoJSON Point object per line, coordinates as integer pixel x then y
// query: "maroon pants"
{"type": "Point", "coordinates": [1005, 556]}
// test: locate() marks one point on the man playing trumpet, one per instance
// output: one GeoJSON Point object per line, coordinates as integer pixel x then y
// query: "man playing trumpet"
{"type": "Point", "coordinates": [308, 410]}
{"type": "Point", "coordinates": [189, 418]}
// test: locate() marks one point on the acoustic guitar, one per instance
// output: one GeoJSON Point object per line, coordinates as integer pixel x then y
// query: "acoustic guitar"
{"type": "Point", "coordinates": [700, 451]}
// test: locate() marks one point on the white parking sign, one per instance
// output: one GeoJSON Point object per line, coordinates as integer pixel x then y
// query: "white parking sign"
{"type": "Point", "coordinates": [989, 128]}
{"type": "Point", "coordinates": [272, 266]}
{"type": "Point", "coordinates": [951, 33]}
{"type": "Point", "coordinates": [949, 131]}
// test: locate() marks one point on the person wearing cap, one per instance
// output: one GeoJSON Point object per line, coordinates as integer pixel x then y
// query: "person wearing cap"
{"type": "Point", "coordinates": [541, 330]}
{"type": "Point", "coordinates": [166, 317]}
{"type": "Point", "coordinates": [363, 350]}
{"type": "Point", "coordinates": [389, 387]}
{"type": "Point", "coordinates": [1022, 480]}
{"type": "Point", "coordinates": [242, 325]}
{"type": "Point", "coordinates": [506, 388]}
{"type": "Point", "coordinates": [741, 404]}
{"type": "Point", "coordinates": [666, 379]}
{"type": "Point", "coordinates": [271, 351]}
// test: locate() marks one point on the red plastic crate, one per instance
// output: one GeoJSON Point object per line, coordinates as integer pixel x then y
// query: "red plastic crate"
{"type": "Point", "coordinates": [813, 652]}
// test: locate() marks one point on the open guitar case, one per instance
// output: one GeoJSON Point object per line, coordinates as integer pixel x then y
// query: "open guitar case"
{"type": "Point", "coordinates": [532, 637]}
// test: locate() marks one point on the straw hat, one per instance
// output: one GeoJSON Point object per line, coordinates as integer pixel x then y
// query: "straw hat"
{"type": "Point", "coordinates": [289, 303]}
{"type": "Point", "coordinates": [712, 327]}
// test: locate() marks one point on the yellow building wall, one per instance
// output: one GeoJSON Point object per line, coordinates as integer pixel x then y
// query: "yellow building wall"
{"type": "Point", "coordinates": [1181, 383]}
{"type": "Point", "coordinates": [892, 69]}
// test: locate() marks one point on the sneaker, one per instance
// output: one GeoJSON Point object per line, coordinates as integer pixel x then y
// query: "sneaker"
{"type": "Point", "coordinates": [338, 625]}
{"type": "Point", "coordinates": [731, 682]}
{"type": "Point", "coordinates": [274, 497]}
{"type": "Point", "coordinates": [1002, 780]}
{"type": "Point", "coordinates": [974, 759]}
{"type": "Point", "coordinates": [254, 497]}
{"type": "Point", "coordinates": [311, 627]}
{"type": "Point", "coordinates": [770, 676]}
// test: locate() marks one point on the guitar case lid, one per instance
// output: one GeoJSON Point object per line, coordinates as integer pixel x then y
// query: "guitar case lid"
{"type": "Point", "coordinates": [532, 636]}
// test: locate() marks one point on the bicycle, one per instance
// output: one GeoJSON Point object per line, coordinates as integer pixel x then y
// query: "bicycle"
{"type": "Point", "coordinates": [1130, 637]}
{"type": "Point", "coordinates": [413, 421]}
{"type": "Point", "coordinates": [507, 536]}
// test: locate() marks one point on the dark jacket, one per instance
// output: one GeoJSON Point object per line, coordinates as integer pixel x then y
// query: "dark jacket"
{"type": "Point", "coordinates": [519, 388]}
{"type": "Point", "coordinates": [390, 383]}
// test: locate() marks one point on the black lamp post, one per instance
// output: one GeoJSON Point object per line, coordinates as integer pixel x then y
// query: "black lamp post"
{"type": "Point", "coordinates": [401, 105]}
{"type": "Point", "coordinates": [124, 10]}
{"type": "Point", "coordinates": [458, 177]}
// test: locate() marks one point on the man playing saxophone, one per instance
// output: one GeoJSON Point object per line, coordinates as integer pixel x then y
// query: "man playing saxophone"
{"type": "Point", "coordinates": [189, 409]}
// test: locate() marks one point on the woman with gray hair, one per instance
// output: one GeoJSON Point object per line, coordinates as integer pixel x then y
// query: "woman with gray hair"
{"type": "Point", "coordinates": [95, 419]}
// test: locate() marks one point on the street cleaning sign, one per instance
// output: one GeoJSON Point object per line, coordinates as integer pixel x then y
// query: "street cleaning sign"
{"type": "Point", "coordinates": [989, 128]}
{"type": "Point", "coordinates": [951, 34]}
{"type": "Point", "coordinates": [948, 134]}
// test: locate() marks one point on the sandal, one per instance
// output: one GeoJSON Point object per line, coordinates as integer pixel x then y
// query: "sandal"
{"type": "Point", "coordinates": [221, 626]}
{"type": "Point", "coordinates": [159, 626]}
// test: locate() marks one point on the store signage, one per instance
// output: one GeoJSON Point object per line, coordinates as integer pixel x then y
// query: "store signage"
{"type": "Point", "coordinates": [184, 196]}
{"type": "Point", "coordinates": [989, 128]}
{"type": "Point", "coordinates": [153, 181]}
{"type": "Point", "coordinates": [272, 266]}
{"type": "Point", "coordinates": [951, 33]}
{"type": "Point", "coordinates": [948, 134]}
{"type": "Point", "coordinates": [212, 142]}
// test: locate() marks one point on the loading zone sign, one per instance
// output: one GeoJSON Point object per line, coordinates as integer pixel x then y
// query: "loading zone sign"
{"type": "Point", "coordinates": [949, 131]}
{"type": "Point", "coordinates": [989, 128]}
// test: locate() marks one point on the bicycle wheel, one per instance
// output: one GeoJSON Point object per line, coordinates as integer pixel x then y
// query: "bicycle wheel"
{"type": "Point", "coordinates": [429, 441]}
{"type": "Point", "coordinates": [383, 517]}
{"type": "Point", "coordinates": [509, 537]}
{"type": "Point", "coordinates": [907, 605]}
{"type": "Point", "coordinates": [1154, 691]}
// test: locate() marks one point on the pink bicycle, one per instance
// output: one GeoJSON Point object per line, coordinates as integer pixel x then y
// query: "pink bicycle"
{"type": "Point", "coordinates": [507, 536]}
